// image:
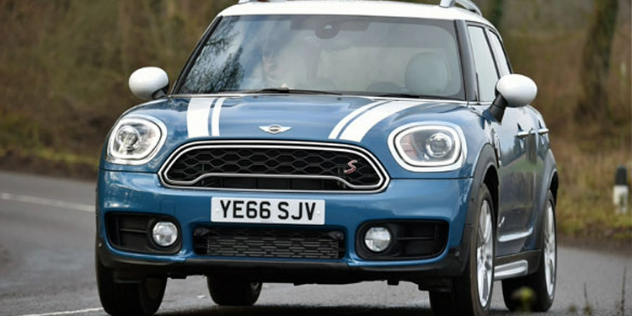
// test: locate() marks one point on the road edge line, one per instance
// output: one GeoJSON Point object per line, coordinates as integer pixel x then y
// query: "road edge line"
{"type": "Point", "coordinates": [47, 202]}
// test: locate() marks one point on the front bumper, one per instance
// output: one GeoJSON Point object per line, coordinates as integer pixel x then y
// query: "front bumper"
{"type": "Point", "coordinates": [432, 200]}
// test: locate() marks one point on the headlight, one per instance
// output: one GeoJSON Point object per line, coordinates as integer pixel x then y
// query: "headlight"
{"type": "Point", "coordinates": [428, 147]}
{"type": "Point", "coordinates": [135, 140]}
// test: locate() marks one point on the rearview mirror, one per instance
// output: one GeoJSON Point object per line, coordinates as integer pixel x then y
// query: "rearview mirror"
{"type": "Point", "coordinates": [512, 91]}
{"type": "Point", "coordinates": [149, 83]}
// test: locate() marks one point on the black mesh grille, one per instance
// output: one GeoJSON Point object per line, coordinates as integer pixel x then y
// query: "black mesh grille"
{"type": "Point", "coordinates": [274, 168]}
{"type": "Point", "coordinates": [269, 243]}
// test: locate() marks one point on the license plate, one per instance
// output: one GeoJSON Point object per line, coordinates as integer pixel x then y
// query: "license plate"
{"type": "Point", "coordinates": [268, 211]}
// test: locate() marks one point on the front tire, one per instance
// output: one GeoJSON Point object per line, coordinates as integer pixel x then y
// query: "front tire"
{"type": "Point", "coordinates": [472, 292]}
{"type": "Point", "coordinates": [542, 283]}
{"type": "Point", "coordinates": [226, 291]}
{"type": "Point", "coordinates": [122, 299]}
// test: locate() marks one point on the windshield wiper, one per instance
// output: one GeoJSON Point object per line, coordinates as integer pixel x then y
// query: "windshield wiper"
{"type": "Point", "coordinates": [405, 95]}
{"type": "Point", "coordinates": [291, 91]}
{"type": "Point", "coordinates": [412, 96]}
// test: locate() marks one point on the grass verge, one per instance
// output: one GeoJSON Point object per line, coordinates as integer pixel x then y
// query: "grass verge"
{"type": "Point", "coordinates": [585, 208]}
{"type": "Point", "coordinates": [47, 161]}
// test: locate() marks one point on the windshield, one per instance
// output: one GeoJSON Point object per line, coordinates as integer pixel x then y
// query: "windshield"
{"type": "Point", "coordinates": [342, 54]}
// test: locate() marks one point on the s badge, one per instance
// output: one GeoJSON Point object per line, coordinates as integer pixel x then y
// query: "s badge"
{"type": "Point", "coordinates": [352, 167]}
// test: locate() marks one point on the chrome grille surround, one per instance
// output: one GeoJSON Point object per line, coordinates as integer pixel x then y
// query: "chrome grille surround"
{"type": "Point", "coordinates": [380, 172]}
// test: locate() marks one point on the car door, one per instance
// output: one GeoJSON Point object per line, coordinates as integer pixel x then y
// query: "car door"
{"type": "Point", "coordinates": [515, 138]}
{"type": "Point", "coordinates": [538, 149]}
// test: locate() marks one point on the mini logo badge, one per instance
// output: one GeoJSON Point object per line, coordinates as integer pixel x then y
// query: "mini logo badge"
{"type": "Point", "coordinates": [274, 129]}
{"type": "Point", "coordinates": [352, 167]}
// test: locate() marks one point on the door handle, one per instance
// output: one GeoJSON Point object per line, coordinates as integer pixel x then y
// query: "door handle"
{"type": "Point", "coordinates": [543, 131]}
{"type": "Point", "coordinates": [523, 134]}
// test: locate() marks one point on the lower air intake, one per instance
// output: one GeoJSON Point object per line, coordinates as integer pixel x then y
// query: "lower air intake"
{"type": "Point", "coordinates": [269, 243]}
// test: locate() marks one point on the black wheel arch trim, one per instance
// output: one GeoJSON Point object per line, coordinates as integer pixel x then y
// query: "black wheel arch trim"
{"type": "Point", "coordinates": [550, 182]}
{"type": "Point", "coordinates": [486, 163]}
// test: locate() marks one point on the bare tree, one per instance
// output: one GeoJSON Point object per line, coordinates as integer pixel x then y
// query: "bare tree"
{"type": "Point", "coordinates": [596, 61]}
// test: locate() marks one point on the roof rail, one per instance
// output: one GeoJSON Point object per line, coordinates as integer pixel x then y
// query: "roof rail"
{"type": "Point", "coordinates": [467, 4]}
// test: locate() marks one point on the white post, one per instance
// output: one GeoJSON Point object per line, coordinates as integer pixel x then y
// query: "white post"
{"type": "Point", "coordinates": [620, 193]}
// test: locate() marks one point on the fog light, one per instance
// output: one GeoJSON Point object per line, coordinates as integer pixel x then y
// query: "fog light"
{"type": "Point", "coordinates": [377, 239]}
{"type": "Point", "coordinates": [165, 234]}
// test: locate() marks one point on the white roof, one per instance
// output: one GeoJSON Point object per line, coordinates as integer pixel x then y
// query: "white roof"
{"type": "Point", "coordinates": [358, 8]}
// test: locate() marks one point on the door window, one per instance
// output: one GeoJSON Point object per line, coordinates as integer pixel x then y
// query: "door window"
{"type": "Point", "coordinates": [485, 65]}
{"type": "Point", "coordinates": [499, 52]}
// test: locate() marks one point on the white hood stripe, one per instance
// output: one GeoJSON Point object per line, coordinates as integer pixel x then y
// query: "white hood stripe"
{"type": "Point", "coordinates": [357, 129]}
{"type": "Point", "coordinates": [336, 131]}
{"type": "Point", "coordinates": [215, 120]}
{"type": "Point", "coordinates": [352, 127]}
{"type": "Point", "coordinates": [198, 113]}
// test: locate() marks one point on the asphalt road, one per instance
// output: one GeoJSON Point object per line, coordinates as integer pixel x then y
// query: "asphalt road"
{"type": "Point", "coordinates": [47, 263]}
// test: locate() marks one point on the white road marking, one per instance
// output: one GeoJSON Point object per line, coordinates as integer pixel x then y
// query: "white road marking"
{"type": "Point", "coordinates": [47, 202]}
{"type": "Point", "coordinates": [197, 116]}
{"type": "Point", "coordinates": [80, 311]}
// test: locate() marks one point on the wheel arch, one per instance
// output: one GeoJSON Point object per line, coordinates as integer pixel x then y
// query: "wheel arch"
{"type": "Point", "coordinates": [550, 182]}
{"type": "Point", "coordinates": [554, 185]}
{"type": "Point", "coordinates": [486, 172]}
{"type": "Point", "coordinates": [492, 183]}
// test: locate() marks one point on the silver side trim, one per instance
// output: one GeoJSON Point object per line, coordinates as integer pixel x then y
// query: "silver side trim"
{"type": "Point", "coordinates": [511, 270]}
{"type": "Point", "coordinates": [381, 172]}
{"type": "Point", "coordinates": [515, 236]}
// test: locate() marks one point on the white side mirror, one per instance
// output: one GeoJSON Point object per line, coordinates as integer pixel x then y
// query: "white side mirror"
{"type": "Point", "coordinates": [517, 90]}
{"type": "Point", "coordinates": [149, 83]}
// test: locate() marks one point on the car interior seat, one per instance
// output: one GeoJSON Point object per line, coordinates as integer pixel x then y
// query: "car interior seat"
{"type": "Point", "coordinates": [427, 74]}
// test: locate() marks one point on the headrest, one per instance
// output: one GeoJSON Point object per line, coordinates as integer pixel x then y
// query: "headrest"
{"type": "Point", "coordinates": [427, 74]}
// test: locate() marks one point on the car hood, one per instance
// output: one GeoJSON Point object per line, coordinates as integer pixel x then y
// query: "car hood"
{"type": "Point", "coordinates": [364, 122]}
{"type": "Point", "coordinates": [300, 117]}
